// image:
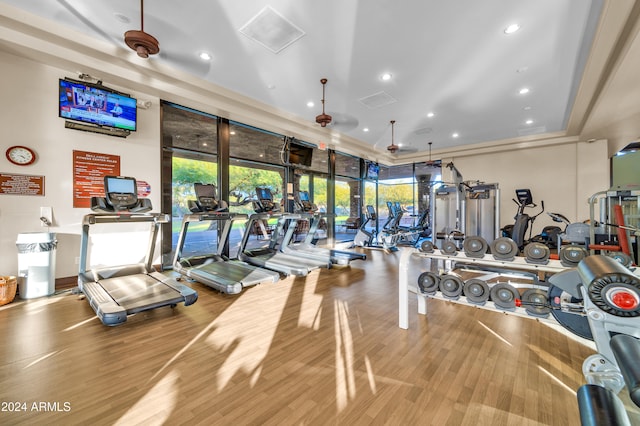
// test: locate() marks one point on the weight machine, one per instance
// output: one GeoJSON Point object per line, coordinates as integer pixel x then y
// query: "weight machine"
{"type": "Point", "coordinates": [465, 208]}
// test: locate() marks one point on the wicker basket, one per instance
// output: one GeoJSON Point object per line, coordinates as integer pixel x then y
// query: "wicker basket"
{"type": "Point", "coordinates": [8, 286]}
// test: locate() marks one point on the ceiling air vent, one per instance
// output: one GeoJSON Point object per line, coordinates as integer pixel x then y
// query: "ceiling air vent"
{"type": "Point", "coordinates": [272, 30]}
{"type": "Point", "coordinates": [377, 100]}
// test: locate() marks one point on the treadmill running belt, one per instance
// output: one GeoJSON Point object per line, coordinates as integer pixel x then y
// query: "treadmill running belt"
{"type": "Point", "coordinates": [138, 291]}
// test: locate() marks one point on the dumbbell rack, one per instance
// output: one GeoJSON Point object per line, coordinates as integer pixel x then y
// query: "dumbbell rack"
{"type": "Point", "coordinates": [447, 260]}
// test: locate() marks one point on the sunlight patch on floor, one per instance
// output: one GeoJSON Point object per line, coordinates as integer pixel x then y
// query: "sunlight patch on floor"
{"type": "Point", "coordinates": [547, 358]}
{"type": "Point", "coordinates": [558, 381]}
{"type": "Point", "coordinates": [494, 333]}
{"type": "Point", "coordinates": [562, 330]}
{"type": "Point", "coordinates": [36, 306]}
{"type": "Point", "coordinates": [183, 350]}
{"type": "Point", "coordinates": [311, 305]}
{"type": "Point", "coordinates": [345, 378]}
{"type": "Point", "coordinates": [42, 358]}
{"type": "Point", "coordinates": [156, 405]}
{"type": "Point", "coordinates": [370, 375]}
{"type": "Point", "coordinates": [247, 328]}
{"type": "Point", "coordinates": [80, 324]}
{"type": "Point", "coordinates": [483, 414]}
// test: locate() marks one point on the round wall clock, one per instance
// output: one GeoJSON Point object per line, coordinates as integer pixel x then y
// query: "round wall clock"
{"type": "Point", "coordinates": [21, 155]}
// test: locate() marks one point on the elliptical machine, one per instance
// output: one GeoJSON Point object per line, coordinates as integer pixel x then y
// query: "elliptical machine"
{"type": "Point", "coordinates": [367, 239]}
{"type": "Point", "coordinates": [522, 219]}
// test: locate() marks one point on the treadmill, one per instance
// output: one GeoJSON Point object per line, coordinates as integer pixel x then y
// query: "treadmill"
{"type": "Point", "coordinates": [114, 292]}
{"type": "Point", "coordinates": [269, 256]}
{"type": "Point", "coordinates": [307, 248]}
{"type": "Point", "coordinates": [215, 269]}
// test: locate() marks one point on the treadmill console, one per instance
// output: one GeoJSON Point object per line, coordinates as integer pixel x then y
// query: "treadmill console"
{"type": "Point", "coordinates": [305, 204]}
{"type": "Point", "coordinates": [120, 195]}
{"type": "Point", "coordinates": [206, 199]}
{"type": "Point", "coordinates": [371, 212]}
{"type": "Point", "coordinates": [265, 201]}
{"type": "Point", "coordinates": [120, 192]}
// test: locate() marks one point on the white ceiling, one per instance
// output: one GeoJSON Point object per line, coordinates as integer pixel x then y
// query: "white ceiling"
{"type": "Point", "coordinates": [451, 58]}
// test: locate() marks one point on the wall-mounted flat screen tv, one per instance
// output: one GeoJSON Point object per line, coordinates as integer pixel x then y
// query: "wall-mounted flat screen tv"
{"type": "Point", "coordinates": [372, 171]}
{"type": "Point", "coordinates": [300, 154]}
{"type": "Point", "coordinates": [93, 104]}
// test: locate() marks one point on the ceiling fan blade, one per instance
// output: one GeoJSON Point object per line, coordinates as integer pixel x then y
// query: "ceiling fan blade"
{"type": "Point", "coordinates": [89, 23]}
{"type": "Point", "coordinates": [343, 121]}
{"type": "Point", "coordinates": [186, 62]}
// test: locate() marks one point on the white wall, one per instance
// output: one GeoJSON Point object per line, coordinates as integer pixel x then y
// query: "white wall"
{"type": "Point", "coordinates": [29, 116]}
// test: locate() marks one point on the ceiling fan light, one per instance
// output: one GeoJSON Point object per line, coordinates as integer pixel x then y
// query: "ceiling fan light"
{"type": "Point", "coordinates": [142, 51]}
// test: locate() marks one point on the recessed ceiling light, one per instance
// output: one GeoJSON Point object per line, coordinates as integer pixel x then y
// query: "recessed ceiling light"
{"type": "Point", "coordinates": [430, 114]}
{"type": "Point", "coordinates": [455, 135]}
{"type": "Point", "coordinates": [205, 56]}
{"type": "Point", "coordinates": [527, 108]}
{"type": "Point", "coordinates": [511, 29]}
{"type": "Point", "coordinates": [385, 77]}
{"type": "Point", "coordinates": [310, 104]}
{"type": "Point", "coordinates": [524, 91]}
{"type": "Point", "coordinates": [529, 121]}
{"type": "Point", "coordinates": [366, 129]}
{"type": "Point", "coordinates": [232, 132]}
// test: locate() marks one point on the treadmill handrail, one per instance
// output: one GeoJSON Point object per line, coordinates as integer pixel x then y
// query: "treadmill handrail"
{"type": "Point", "coordinates": [91, 219]}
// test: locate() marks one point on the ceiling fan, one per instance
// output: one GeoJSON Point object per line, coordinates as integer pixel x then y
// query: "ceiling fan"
{"type": "Point", "coordinates": [323, 119]}
{"type": "Point", "coordinates": [393, 148]}
{"type": "Point", "coordinates": [143, 43]}
{"type": "Point", "coordinates": [433, 163]}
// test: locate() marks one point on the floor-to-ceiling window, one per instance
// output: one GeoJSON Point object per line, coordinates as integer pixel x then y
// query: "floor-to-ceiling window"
{"type": "Point", "coordinates": [257, 160]}
{"type": "Point", "coordinates": [189, 144]}
{"type": "Point", "coordinates": [395, 189]}
{"type": "Point", "coordinates": [348, 202]}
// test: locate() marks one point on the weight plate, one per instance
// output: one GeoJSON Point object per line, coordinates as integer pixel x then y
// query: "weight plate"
{"type": "Point", "coordinates": [622, 258]}
{"type": "Point", "coordinates": [504, 296]}
{"type": "Point", "coordinates": [451, 286]}
{"type": "Point", "coordinates": [475, 246]}
{"type": "Point", "coordinates": [449, 247]}
{"type": "Point", "coordinates": [477, 291]}
{"type": "Point", "coordinates": [574, 322]}
{"type": "Point", "coordinates": [426, 247]}
{"type": "Point", "coordinates": [570, 256]}
{"type": "Point", "coordinates": [536, 302]}
{"type": "Point", "coordinates": [504, 248]}
{"type": "Point", "coordinates": [536, 253]}
{"type": "Point", "coordinates": [620, 298]}
{"type": "Point", "coordinates": [428, 282]}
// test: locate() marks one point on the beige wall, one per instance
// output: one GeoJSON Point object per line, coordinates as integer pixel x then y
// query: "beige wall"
{"type": "Point", "coordinates": [29, 116]}
{"type": "Point", "coordinates": [563, 176]}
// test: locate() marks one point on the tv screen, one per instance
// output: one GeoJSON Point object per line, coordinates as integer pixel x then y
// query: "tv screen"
{"type": "Point", "coordinates": [97, 105]}
{"type": "Point", "coordinates": [372, 171]}
{"type": "Point", "coordinates": [304, 196]}
{"type": "Point", "coordinates": [300, 154]}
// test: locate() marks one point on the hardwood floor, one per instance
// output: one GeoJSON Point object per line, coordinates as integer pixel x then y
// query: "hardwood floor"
{"type": "Point", "coordinates": [325, 349]}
